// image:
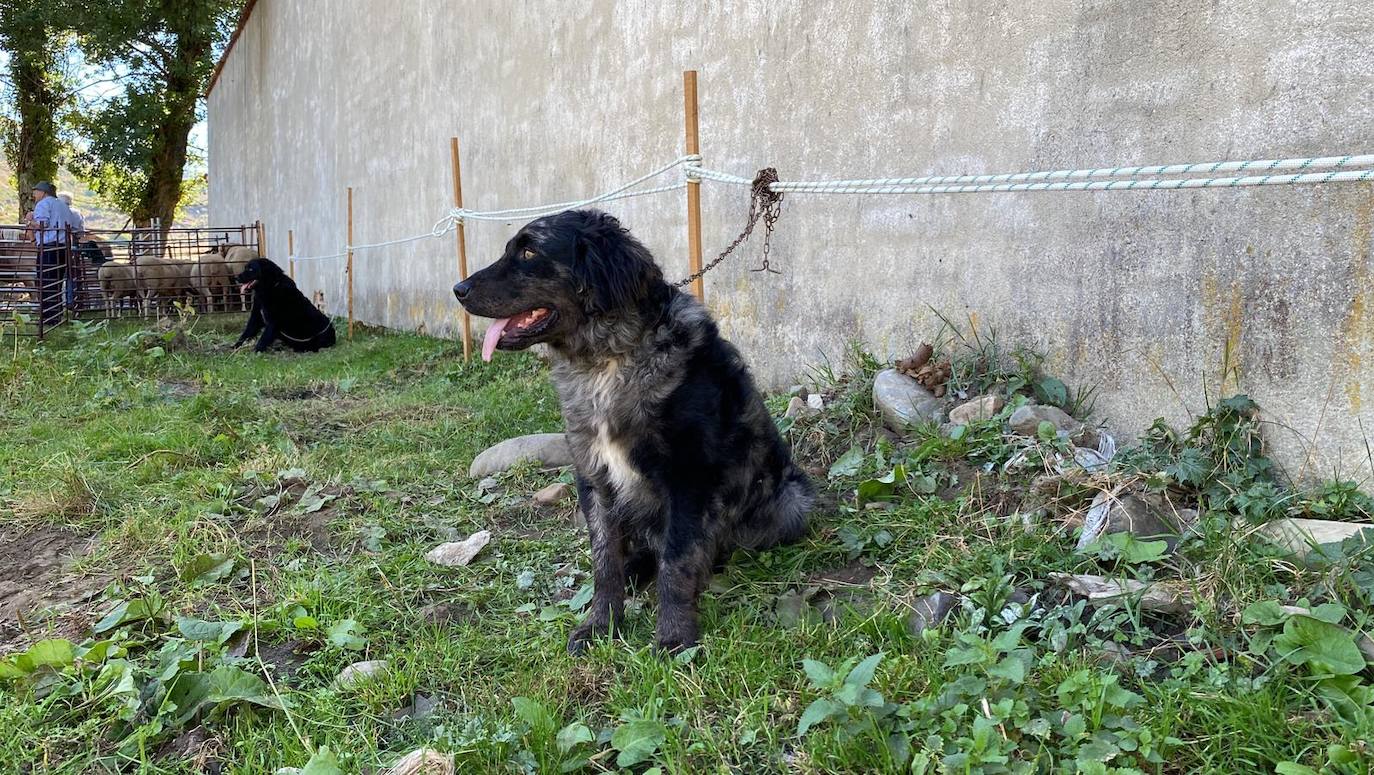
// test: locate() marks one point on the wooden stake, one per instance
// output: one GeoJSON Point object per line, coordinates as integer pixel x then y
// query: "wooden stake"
{"type": "Point", "coordinates": [291, 251]}
{"type": "Point", "coordinates": [350, 262]}
{"type": "Point", "coordinates": [689, 99]}
{"type": "Point", "coordinates": [462, 243]}
{"type": "Point", "coordinates": [262, 240]}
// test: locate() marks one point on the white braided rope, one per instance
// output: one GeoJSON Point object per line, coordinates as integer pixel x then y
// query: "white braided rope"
{"type": "Point", "coordinates": [1344, 169]}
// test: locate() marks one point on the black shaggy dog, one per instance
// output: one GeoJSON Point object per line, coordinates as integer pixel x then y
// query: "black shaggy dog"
{"type": "Point", "coordinates": [281, 310]}
{"type": "Point", "coordinates": [678, 462]}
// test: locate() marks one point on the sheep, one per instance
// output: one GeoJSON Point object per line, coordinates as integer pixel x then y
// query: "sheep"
{"type": "Point", "coordinates": [161, 278]}
{"type": "Point", "coordinates": [118, 282]}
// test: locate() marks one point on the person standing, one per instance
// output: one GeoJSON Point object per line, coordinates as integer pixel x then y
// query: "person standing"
{"type": "Point", "coordinates": [51, 220]}
{"type": "Point", "coordinates": [78, 221]}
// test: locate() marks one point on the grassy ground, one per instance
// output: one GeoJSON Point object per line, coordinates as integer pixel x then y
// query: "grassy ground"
{"type": "Point", "coordinates": [243, 527]}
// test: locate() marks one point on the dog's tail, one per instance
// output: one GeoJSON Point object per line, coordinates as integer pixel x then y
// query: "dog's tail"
{"type": "Point", "coordinates": [782, 518]}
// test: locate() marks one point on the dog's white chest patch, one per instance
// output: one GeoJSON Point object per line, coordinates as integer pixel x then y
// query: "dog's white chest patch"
{"type": "Point", "coordinates": [606, 451]}
{"type": "Point", "coordinates": [613, 456]}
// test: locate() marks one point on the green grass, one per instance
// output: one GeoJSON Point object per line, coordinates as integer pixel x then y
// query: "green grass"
{"type": "Point", "coordinates": [167, 451]}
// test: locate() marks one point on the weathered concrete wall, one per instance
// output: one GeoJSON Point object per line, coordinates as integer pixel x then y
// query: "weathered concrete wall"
{"type": "Point", "coordinates": [556, 100]}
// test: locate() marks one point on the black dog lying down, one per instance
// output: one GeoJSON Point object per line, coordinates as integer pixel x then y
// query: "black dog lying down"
{"type": "Point", "coordinates": [678, 461]}
{"type": "Point", "coordinates": [281, 310]}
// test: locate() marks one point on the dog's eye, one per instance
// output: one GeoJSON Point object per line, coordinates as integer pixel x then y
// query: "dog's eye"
{"type": "Point", "coordinates": [528, 255]}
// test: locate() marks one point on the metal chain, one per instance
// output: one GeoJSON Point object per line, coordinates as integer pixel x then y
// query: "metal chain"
{"type": "Point", "coordinates": [765, 204]}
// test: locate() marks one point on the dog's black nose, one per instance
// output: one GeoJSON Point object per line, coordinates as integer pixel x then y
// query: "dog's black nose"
{"type": "Point", "coordinates": [462, 289]}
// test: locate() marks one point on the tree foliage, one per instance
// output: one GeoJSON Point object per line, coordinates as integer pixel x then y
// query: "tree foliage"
{"type": "Point", "coordinates": [162, 52]}
{"type": "Point", "coordinates": [37, 92]}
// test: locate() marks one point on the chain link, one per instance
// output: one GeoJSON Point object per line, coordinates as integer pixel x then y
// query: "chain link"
{"type": "Point", "coordinates": [764, 204]}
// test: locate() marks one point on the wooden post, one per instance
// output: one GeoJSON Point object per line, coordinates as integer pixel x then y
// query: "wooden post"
{"type": "Point", "coordinates": [262, 240]}
{"type": "Point", "coordinates": [689, 99]}
{"type": "Point", "coordinates": [291, 252]}
{"type": "Point", "coordinates": [350, 262]}
{"type": "Point", "coordinates": [462, 243]}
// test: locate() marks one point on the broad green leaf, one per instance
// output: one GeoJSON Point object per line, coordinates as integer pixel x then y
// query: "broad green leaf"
{"type": "Point", "coordinates": [573, 735]}
{"type": "Point", "coordinates": [207, 568]}
{"type": "Point", "coordinates": [9, 670]}
{"type": "Point", "coordinates": [581, 599]}
{"type": "Point", "coordinates": [1134, 551]}
{"type": "Point", "coordinates": [1010, 668]}
{"type": "Point", "coordinates": [863, 672]}
{"type": "Point", "coordinates": [1322, 645]}
{"type": "Point", "coordinates": [848, 464]}
{"type": "Point", "coordinates": [817, 712]}
{"type": "Point", "coordinates": [820, 674]}
{"type": "Point", "coordinates": [345, 634]}
{"type": "Point", "coordinates": [1267, 613]}
{"type": "Point", "coordinates": [1116, 696]}
{"type": "Point", "coordinates": [1098, 750]}
{"type": "Point", "coordinates": [1293, 768]}
{"type": "Point", "coordinates": [135, 610]}
{"type": "Point", "coordinates": [206, 632]}
{"type": "Point", "coordinates": [56, 654]}
{"type": "Point", "coordinates": [533, 713]}
{"type": "Point", "coordinates": [1331, 613]}
{"type": "Point", "coordinates": [322, 763]}
{"type": "Point", "coordinates": [306, 623]}
{"type": "Point", "coordinates": [637, 741]}
{"type": "Point", "coordinates": [193, 692]}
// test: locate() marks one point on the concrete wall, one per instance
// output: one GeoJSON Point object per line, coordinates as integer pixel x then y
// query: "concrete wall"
{"type": "Point", "coordinates": [555, 100]}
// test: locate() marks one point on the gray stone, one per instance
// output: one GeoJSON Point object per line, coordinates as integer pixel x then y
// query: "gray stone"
{"type": "Point", "coordinates": [456, 554]}
{"type": "Point", "coordinates": [358, 672]}
{"type": "Point", "coordinates": [552, 495]}
{"type": "Point", "coordinates": [980, 408]}
{"type": "Point", "coordinates": [1147, 516]}
{"type": "Point", "coordinates": [549, 450]}
{"type": "Point", "coordinates": [798, 408]}
{"type": "Point", "coordinates": [1300, 535]}
{"type": "Point", "coordinates": [488, 484]}
{"type": "Point", "coordinates": [903, 401]}
{"type": "Point", "coordinates": [930, 611]}
{"type": "Point", "coordinates": [815, 401]}
{"type": "Point", "coordinates": [1026, 421]}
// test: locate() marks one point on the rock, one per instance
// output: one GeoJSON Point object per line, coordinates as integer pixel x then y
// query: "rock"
{"type": "Point", "coordinates": [930, 611]}
{"type": "Point", "coordinates": [980, 408]}
{"type": "Point", "coordinates": [798, 408]}
{"type": "Point", "coordinates": [1160, 596]}
{"type": "Point", "coordinates": [459, 553]}
{"type": "Point", "coordinates": [1149, 517]}
{"type": "Point", "coordinates": [1300, 535]}
{"type": "Point", "coordinates": [903, 401]}
{"type": "Point", "coordinates": [422, 761]}
{"type": "Point", "coordinates": [549, 450]}
{"type": "Point", "coordinates": [358, 672]}
{"type": "Point", "coordinates": [815, 401]}
{"type": "Point", "coordinates": [552, 495]}
{"type": "Point", "coordinates": [488, 484]}
{"type": "Point", "coordinates": [420, 707]}
{"type": "Point", "coordinates": [1089, 460]}
{"type": "Point", "coordinates": [1026, 421]}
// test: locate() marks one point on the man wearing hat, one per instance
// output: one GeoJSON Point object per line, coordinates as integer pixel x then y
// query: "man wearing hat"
{"type": "Point", "coordinates": [51, 218]}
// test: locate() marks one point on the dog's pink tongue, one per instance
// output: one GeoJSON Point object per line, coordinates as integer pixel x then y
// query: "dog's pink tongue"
{"type": "Point", "coordinates": [493, 336]}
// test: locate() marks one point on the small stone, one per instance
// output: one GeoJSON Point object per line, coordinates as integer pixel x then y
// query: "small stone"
{"type": "Point", "coordinates": [797, 390]}
{"type": "Point", "coordinates": [422, 761]}
{"type": "Point", "coordinates": [1299, 536]}
{"type": "Point", "coordinates": [459, 553]}
{"type": "Point", "coordinates": [1089, 459]}
{"type": "Point", "coordinates": [419, 707]}
{"type": "Point", "coordinates": [1147, 516]}
{"type": "Point", "coordinates": [930, 611]}
{"type": "Point", "coordinates": [552, 495]}
{"type": "Point", "coordinates": [549, 450]}
{"type": "Point", "coordinates": [1026, 422]}
{"type": "Point", "coordinates": [903, 401]}
{"type": "Point", "coordinates": [815, 401]}
{"type": "Point", "coordinates": [980, 408]}
{"type": "Point", "coordinates": [488, 484]}
{"type": "Point", "coordinates": [358, 672]}
{"type": "Point", "coordinates": [798, 408]}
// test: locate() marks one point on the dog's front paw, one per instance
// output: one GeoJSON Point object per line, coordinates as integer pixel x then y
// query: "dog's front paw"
{"type": "Point", "coordinates": [674, 640]}
{"type": "Point", "coordinates": [582, 637]}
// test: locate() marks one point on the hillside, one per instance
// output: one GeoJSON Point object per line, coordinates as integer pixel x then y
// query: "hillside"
{"type": "Point", "coordinates": [98, 213]}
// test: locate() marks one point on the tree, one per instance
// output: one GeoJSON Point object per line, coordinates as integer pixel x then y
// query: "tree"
{"type": "Point", "coordinates": [37, 85]}
{"type": "Point", "coordinates": [162, 51]}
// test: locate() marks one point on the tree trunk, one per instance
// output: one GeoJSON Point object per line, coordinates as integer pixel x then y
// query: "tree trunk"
{"type": "Point", "coordinates": [167, 166]}
{"type": "Point", "coordinates": [33, 63]}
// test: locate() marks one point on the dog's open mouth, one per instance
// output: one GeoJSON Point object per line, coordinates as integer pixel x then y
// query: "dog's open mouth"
{"type": "Point", "coordinates": [248, 286]}
{"type": "Point", "coordinates": [516, 331]}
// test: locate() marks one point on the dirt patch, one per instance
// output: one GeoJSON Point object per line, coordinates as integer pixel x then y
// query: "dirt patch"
{"type": "Point", "coordinates": [303, 392]}
{"type": "Point", "coordinates": [38, 593]}
{"type": "Point", "coordinates": [197, 746]}
{"type": "Point", "coordinates": [178, 389]}
{"type": "Point", "coordinates": [855, 574]}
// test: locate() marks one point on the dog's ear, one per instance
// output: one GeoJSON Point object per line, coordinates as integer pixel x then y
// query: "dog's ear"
{"type": "Point", "coordinates": [613, 269]}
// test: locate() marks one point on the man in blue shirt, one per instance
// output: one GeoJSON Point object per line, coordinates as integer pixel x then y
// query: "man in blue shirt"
{"type": "Point", "coordinates": [52, 219]}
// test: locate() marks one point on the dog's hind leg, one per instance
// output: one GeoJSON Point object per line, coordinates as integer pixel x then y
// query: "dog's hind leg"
{"type": "Point", "coordinates": [607, 608]}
